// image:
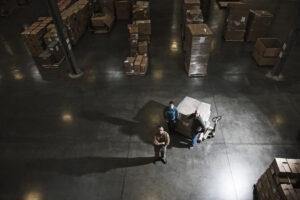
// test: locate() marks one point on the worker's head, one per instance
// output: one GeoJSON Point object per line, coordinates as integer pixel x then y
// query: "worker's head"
{"type": "Point", "coordinates": [197, 113]}
{"type": "Point", "coordinates": [160, 129]}
{"type": "Point", "coordinates": [171, 104]}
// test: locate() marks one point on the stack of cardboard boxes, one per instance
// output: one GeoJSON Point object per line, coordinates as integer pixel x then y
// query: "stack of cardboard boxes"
{"type": "Point", "coordinates": [102, 22]}
{"type": "Point", "coordinates": [258, 23]}
{"type": "Point", "coordinates": [64, 4]}
{"type": "Point", "coordinates": [280, 181]}
{"type": "Point", "coordinates": [76, 19]}
{"type": "Point", "coordinates": [197, 49]}
{"type": "Point", "coordinates": [42, 42]}
{"type": "Point", "coordinates": [123, 8]}
{"type": "Point", "coordinates": [267, 50]}
{"type": "Point", "coordinates": [41, 37]}
{"type": "Point", "coordinates": [236, 21]}
{"type": "Point", "coordinates": [139, 39]}
{"type": "Point", "coordinates": [192, 14]}
{"type": "Point", "coordinates": [141, 10]}
{"type": "Point", "coordinates": [224, 3]}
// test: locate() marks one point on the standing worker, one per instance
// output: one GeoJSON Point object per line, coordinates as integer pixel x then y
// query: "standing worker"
{"type": "Point", "coordinates": [198, 128]}
{"type": "Point", "coordinates": [161, 140]}
{"type": "Point", "coordinates": [171, 114]}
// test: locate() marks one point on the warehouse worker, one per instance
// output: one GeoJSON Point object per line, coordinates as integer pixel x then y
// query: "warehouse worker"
{"type": "Point", "coordinates": [198, 128]}
{"type": "Point", "coordinates": [161, 140]}
{"type": "Point", "coordinates": [171, 114]}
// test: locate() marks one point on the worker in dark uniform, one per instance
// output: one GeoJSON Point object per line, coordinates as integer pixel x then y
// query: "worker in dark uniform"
{"type": "Point", "coordinates": [161, 140]}
{"type": "Point", "coordinates": [198, 128]}
{"type": "Point", "coordinates": [171, 114]}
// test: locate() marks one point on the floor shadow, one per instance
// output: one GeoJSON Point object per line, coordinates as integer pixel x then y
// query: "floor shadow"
{"type": "Point", "coordinates": [179, 141]}
{"type": "Point", "coordinates": [142, 125]}
{"type": "Point", "coordinates": [82, 166]}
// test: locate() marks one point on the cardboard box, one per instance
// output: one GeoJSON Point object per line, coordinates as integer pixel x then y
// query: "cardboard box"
{"type": "Point", "coordinates": [137, 63]}
{"type": "Point", "coordinates": [268, 47]}
{"type": "Point", "coordinates": [144, 64]}
{"type": "Point", "coordinates": [143, 48]}
{"type": "Point", "coordinates": [141, 10]}
{"type": "Point", "coordinates": [258, 24]}
{"type": "Point", "coordinates": [144, 26]}
{"type": "Point", "coordinates": [294, 165]}
{"type": "Point", "coordinates": [234, 35]}
{"type": "Point", "coordinates": [102, 23]}
{"type": "Point", "coordinates": [194, 17]}
{"type": "Point", "coordinates": [197, 49]}
{"type": "Point", "coordinates": [128, 64]}
{"type": "Point", "coordinates": [123, 8]}
{"type": "Point", "coordinates": [264, 61]}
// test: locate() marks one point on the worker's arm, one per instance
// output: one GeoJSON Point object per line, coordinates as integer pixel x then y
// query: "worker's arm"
{"type": "Point", "coordinates": [156, 142]}
{"type": "Point", "coordinates": [167, 139]}
{"type": "Point", "coordinates": [176, 113]}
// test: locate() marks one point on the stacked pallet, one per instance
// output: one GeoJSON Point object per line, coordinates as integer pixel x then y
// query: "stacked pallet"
{"type": "Point", "coordinates": [139, 39]}
{"type": "Point", "coordinates": [225, 3]}
{"type": "Point", "coordinates": [258, 24]}
{"type": "Point", "coordinates": [197, 49]}
{"type": "Point", "coordinates": [280, 181]}
{"type": "Point", "coordinates": [141, 10]}
{"type": "Point", "coordinates": [192, 14]}
{"type": "Point", "coordinates": [76, 19]}
{"type": "Point", "coordinates": [64, 4]}
{"type": "Point", "coordinates": [123, 8]}
{"type": "Point", "coordinates": [236, 21]}
{"type": "Point", "coordinates": [42, 42]}
{"type": "Point", "coordinates": [266, 51]}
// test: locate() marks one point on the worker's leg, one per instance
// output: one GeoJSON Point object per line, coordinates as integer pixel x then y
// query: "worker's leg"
{"type": "Point", "coordinates": [194, 140]}
{"type": "Point", "coordinates": [163, 152]}
{"type": "Point", "coordinates": [170, 127]}
{"type": "Point", "coordinates": [156, 152]}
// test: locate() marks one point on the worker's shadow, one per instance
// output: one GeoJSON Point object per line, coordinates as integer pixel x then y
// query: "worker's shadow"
{"type": "Point", "coordinates": [143, 125]}
{"type": "Point", "coordinates": [82, 166]}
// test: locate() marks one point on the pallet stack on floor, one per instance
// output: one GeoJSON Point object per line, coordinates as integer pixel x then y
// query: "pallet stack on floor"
{"type": "Point", "coordinates": [236, 21]}
{"type": "Point", "coordinates": [139, 39]}
{"type": "Point", "coordinates": [41, 37]}
{"type": "Point", "coordinates": [191, 14]}
{"type": "Point", "coordinates": [196, 38]}
{"type": "Point", "coordinates": [197, 49]}
{"type": "Point", "coordinates": [281, 181]}
{"type": "Point", "coordinates": [258, 24]}
{"type": "Point", "coordinates": [244, 24]}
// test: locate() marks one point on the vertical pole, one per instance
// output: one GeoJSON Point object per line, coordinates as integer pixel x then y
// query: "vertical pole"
{"type": "Point", "coordinates": [63, 38]}
{"type": "Point", "coordinates": [287, 47]}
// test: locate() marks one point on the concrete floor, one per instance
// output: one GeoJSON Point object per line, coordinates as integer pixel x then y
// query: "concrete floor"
{"type": "Point", "coordinates": [91, 138]}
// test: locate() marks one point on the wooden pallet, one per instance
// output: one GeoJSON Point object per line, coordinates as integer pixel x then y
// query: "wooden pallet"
{"type": "Point", "coordinates": [55, 65]}
{"type": "Point", "coordinates": [224, 4]}
{"type": "Point", "coordinates": [136, 73]}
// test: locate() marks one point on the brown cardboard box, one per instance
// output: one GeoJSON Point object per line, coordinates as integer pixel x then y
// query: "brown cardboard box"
{"type": "Point", "coordinates": [258, 24]}
{"type": "Point", "coordinates": [141, 10]}
{"type": "Point", "coordinates": [143, 38]}
{"type": "Point", "coordinates": [144, 26]}
{"type": "Point", "coordinates": [143, 48]}
{"type": "Point", "coordinates": [194, 17]}
{"type": "Point", "coordinates": [137, 63]}
{"type": "Point", "coordinates": [123, 9]}
{"type": "Point", "coordinates": [294, 165]}
{"type": "Point", "coordinates": [234, 35]}
{"type": "Point", "coordinates": [268, 47]}
{"type": "Point", "coordinates": [144, 64]}
{"type": "Point", "coordinates": [281, 167]}
{"type": "Point", "coordinates": [128, 63]}
{"type": "Point", "coordinates": [191, 4]}
{"type": "Point", "coordinates": [102, 23]}
{"type": "Point", "coordinates": [264, 61]}
{"type": "Point", "coordinates": [134, 51]}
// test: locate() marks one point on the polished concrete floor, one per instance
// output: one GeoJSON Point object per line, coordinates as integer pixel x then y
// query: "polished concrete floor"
{"type": "Point", "coordinates": [91, 138]}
